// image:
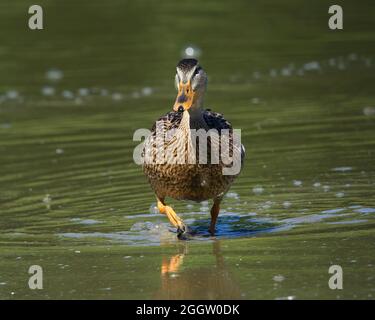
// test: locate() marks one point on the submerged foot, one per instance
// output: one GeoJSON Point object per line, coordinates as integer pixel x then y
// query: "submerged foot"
{"type": "Point", "coordinates": [183, 232]}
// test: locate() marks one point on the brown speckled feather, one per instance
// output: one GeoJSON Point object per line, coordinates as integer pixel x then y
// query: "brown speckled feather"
{"type": "Point", "coordinates": [188, 181]}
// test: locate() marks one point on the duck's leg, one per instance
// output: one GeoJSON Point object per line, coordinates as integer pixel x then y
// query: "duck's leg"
{"type": "Point", "coordinates": [214, 213]}
{"type": "Point", "coordinates": [172, 216]}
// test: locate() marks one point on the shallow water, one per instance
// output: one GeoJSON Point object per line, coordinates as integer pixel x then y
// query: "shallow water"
{"type": "Point", "coordinates": [73, 201]}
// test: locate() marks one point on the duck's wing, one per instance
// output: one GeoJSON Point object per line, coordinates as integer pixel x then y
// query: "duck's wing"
{"type": "Point", "coordinates": [215, 120]}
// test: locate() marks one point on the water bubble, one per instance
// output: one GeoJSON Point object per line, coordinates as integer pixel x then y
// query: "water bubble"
{"type": "Point", "coordinates": [204, 206]}
{"type": "Point", "coordinates": [48, 91]}
{"type": "Point", "coordinates": [146, 91]}
{"type": "Point", "coordinates": [312, 66]}
{"type": "Point", "coordinates": [142, 226]}
{"type": "Point", "coordinates": [258, 190]}
{"type": "Point", "coordinates": [154, 209]}
{"type": "Point", "coordinates": [256, 75]}
{"type": "Point", "coordinates": [12, 94]}
{"type": "Point", "coordinates": [340, 194]}
{"type": "Point", "coordinates": [278, 278]}
{"type": "Point", "coordinates": [54, 74]}
{"type": "Point", "coordinates": [286, 298]}
{"type": "Point", "coordinates": [204, 209]}
{"type": "Point", "coordinates": [267, 205]}
{"type": "Point", "coordinates": [47, 199]}
{"type": "Point", "coordinates": [83, 92]}
{"type": "Point", "coordinates": [286, 72]}
{"type": "Point", "coordinates": [59, 151]}
{"type": "Point", "coordinates": [317, 184]}
{"type": "Point", "coordinates": [353, 56]}
{"type": "Point", "coordinates": [273, 73]}
{"type": "Point", "coordinates": [368, 62]}
{"type": "Point", "coordinates": [232, 195]}
{"type": "Point", "coordinates": [297, 183]}
{"type": "Point", "coordinates": [287, 204]}
{"type": "Point", "coordinates": [341, 65]}
{"type": "Point", "coordinates": [117, 96]}
{"type": "Point", "coordinates": [89, 221]}
{"type": "Point", "coordinates": [78, 101]}
{"type": "Point", "coordinates": [332, 62]}
{"type": "Point", "coordinates": [369, 111]}
{"type": "Point", "coordinates": [191, 52]}
{"type": "Point", "coordinates": [67, 94]}
{"type": "Point", "coordinates": [5, 125]}
{"type": "Point", "coordinates": [342, 169]}
{"type": "Point", "coordinates": [173, 275]}
{"type": "Point", "coordinates": [255, 100]}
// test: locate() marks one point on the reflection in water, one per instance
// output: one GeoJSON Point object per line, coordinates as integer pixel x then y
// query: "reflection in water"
{"type": "Point", "coordinates": [210, 281]}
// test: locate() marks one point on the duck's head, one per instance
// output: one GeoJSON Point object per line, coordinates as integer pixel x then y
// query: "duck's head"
{"type": "Point", "coordinates": [191, 82]}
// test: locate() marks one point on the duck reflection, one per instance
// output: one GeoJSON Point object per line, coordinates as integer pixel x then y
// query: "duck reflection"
{"type": "Point", "coordinates": [181, 278]}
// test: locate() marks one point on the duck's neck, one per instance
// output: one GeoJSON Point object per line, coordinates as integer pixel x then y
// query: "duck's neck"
{"type": "Point", "coordinates": [198, 101]}
{"type": "Point", "coordinates": [193, 118]}
{"type": "Point", "coordinates": [196, 120]}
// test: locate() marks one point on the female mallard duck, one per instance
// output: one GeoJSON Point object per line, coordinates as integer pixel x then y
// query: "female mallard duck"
{"type": "Point", "coordinates": [171, 163]}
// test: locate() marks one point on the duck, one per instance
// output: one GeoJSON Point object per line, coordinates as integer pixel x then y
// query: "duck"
{"type": "Point", "coordinates": [179, 167]}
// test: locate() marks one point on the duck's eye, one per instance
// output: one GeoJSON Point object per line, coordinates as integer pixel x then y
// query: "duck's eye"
{"type": "Point", "coordinates": [196, 71]}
